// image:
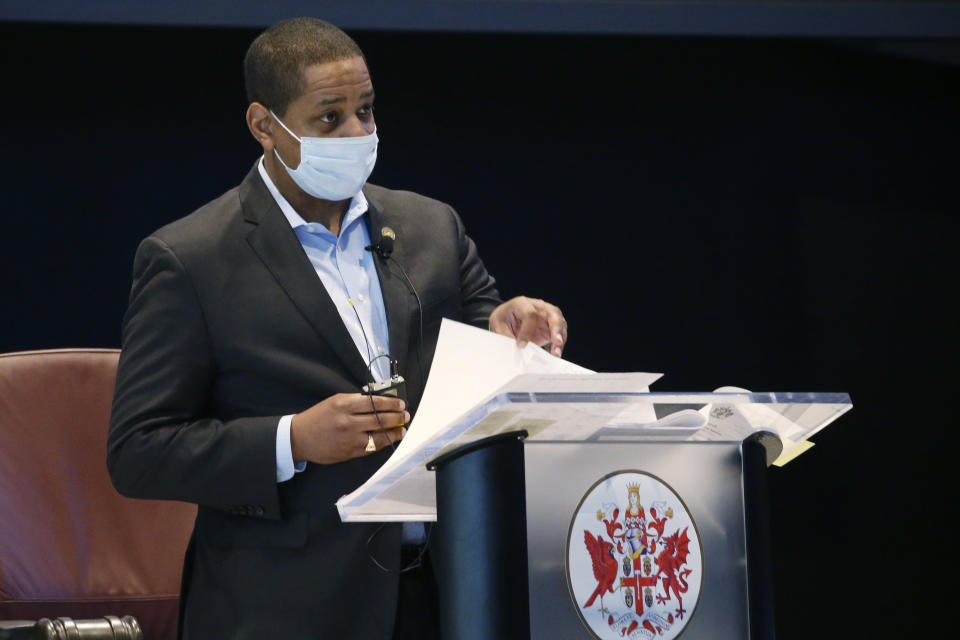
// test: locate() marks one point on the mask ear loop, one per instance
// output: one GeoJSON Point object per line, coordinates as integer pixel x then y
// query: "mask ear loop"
{"type": "Point", "coordinates": [295, 136]}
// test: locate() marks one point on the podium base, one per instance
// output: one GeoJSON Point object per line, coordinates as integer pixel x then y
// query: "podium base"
{"type": "Point", "coordinates": [480, 540]}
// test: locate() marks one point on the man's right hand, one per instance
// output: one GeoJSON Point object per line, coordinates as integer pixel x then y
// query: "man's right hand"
{"type": "Point", "coordinates": [338, 428]}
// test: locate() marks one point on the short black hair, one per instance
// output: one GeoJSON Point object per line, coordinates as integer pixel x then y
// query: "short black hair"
{"type": "Point", "coordinates": [274, 64]}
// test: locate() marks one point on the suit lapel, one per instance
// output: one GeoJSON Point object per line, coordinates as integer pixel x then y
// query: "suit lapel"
{"type": "Point", "coordinates": [397, 298]}
{"type": "Point", "coordinates": [277, 246]}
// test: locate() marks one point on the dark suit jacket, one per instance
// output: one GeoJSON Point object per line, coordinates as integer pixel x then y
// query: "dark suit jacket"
{"type": "Point", "coordinates": [228, 329]}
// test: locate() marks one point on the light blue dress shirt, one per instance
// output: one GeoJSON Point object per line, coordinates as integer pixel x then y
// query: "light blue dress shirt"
{"type": "Point", "coordinates": [349, 275]}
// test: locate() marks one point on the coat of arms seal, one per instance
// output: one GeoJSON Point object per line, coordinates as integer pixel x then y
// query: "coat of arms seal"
{"type": "Point", "coordinates": [634, 559]}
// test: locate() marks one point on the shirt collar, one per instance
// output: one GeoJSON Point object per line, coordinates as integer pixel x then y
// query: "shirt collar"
{"type": "Point", "coordinates": [358, 205]}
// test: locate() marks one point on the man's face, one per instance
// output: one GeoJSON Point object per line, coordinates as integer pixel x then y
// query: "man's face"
{"type": "Point", "coordinates": [337, 102]}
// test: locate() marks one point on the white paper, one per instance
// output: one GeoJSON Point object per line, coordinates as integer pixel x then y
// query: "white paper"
{"type": "Point", "coordinates": [481, 385]}
{"type": "Point", "coordinates": [793, 424]}
{"type": "Point", "coordinates": [469, 366]}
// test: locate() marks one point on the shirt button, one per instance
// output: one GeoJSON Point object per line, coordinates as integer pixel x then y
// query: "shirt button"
{"type": "Point", "coordinates": [380, 350]}
{"type": "Point", "coordinates": [360, 297]}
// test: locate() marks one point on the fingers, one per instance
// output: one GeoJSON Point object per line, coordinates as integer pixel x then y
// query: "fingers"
{"type": "Point", "coordinates": [503, 319]}
{"type": "Point", "coordinates": [528, 321]}
{"type": "Point", "coordinates": [516, 318]}
{"type": "Point", "coordinates": [332, 430]}
{"type": "Point", "coordinates": [531, 320]}
{"type": "Point", "coordinates": [385, 411]}
{"type": "Point", "coordinates": [359, 403]}
{"type": "Point", "coordinates": [381, 440]}
{"type": "Point", "coordinates": [378, 420]}
{"type": "Point", "coordinates": [498, 323]}
{"type": "Point", "coordinates": [556, 326]}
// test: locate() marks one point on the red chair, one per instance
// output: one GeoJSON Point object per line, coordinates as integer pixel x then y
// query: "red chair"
{"type": "Point", "coordinates": [70, 545]}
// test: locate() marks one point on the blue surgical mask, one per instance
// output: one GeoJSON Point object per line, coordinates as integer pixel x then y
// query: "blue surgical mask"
{"type": "Point", "coordinates": [332, 168]}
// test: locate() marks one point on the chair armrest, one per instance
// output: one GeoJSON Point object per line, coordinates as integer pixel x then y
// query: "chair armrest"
{"type": "Point", "coordinates": [106, 628]}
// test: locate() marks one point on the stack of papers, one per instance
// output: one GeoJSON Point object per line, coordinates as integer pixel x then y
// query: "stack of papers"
{"type": "Point", "coordinates": [481, 384]}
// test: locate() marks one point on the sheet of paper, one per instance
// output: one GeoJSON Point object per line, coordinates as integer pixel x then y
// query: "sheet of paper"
{"type": "Point", "coordinates": [792, 424]}
{"type": "Point", "coordinates": [576, 417]}
{"type": "Point", "coordinates": [469, 366]}
{"type": "Point", "coordinates": [569, 382]}
{"type": "Point", "coordinates": [480, 385]}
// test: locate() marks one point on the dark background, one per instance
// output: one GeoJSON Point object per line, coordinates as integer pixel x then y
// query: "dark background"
{"type": "Point", "coordinates": [778, 214]}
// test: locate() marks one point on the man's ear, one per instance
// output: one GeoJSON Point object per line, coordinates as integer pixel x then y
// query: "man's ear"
{"type": "Point", "coordinates": [261, 126]}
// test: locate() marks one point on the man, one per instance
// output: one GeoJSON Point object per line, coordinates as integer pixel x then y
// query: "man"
{"type": "Point", "coordinates": [252, 325]}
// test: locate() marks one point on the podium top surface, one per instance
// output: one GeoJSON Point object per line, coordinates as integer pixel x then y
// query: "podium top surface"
{"type": "Point", "coordinates": [403, 489]}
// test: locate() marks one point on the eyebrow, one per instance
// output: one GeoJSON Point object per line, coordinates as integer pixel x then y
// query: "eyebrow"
{"type": "Point", "coordinates": [335, 99]}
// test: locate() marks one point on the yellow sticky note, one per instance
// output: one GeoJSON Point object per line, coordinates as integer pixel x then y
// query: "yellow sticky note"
{"type": "Point", "coordinates": [793, 452]}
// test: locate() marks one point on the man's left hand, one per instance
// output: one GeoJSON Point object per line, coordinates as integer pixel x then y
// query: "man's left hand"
{"type": "Point", "coordinates": [531, 320]}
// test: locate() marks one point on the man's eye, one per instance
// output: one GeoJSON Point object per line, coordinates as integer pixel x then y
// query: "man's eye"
{"type": "Point", "coordinates": [365, 110]}
{"type": "Point", "coordinates": [330, 117]}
